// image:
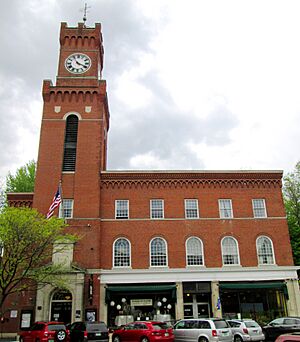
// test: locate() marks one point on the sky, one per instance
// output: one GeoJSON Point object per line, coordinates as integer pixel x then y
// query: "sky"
{"type": "Point", "coordinates": [192, 84]}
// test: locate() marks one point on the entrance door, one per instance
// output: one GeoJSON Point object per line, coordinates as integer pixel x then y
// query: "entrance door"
{"type": "Point", "coordinates": [61, 307]}
{"type": "Point", "coordinates": [195, 309]}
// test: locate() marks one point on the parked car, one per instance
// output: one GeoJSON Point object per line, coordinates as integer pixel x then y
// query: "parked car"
{"type": "Point", "coordinates": [281, 326]}
{"type": "Point", "coordinates": [288, 337]}
{"type": "Point", "coordinates": [246, 330]}
{"type": "Point", "coordinates": [144, 331]}
{"type": "Point", "coordinates": [202, 330]}
{"type": "Point", "coordinates": [44, 332]}
{"type": "Point", "coordinates": [88, 331]}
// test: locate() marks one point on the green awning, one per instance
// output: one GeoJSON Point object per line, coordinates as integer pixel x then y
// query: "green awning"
{"type": "Point", "coordinates": [255, 285]}
{"type": "Point", "coordinates": [139, 289]}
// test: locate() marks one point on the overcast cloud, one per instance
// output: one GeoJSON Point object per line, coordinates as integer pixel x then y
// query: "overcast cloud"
{"type": "Point", "coordinates": [191, 84]}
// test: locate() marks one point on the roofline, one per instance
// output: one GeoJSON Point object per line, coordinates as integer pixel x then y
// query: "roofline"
{"type": "Point", "coordinates": [193, 171]}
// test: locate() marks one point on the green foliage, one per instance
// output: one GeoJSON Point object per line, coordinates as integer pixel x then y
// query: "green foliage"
{"type": "Point", "coordinates": [291, 192]}
{"type": "Point", "coordinates": [23, 180]}
{"type": "Point", "coordinates": [27, 238]}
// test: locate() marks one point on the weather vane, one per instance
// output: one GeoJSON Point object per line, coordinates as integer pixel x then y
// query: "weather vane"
{"type": "Point", "coordinates": [85, 10]}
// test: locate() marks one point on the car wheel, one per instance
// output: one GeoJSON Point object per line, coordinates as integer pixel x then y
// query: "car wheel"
{"type": "Point", "coordinates": [202, 339]}
{"type": "Point", "coordinates": [61, 335]}
{"type": "Point", "coordinates": [144, 339]}
{"type": "Point", "coordinates": [116, 339]}
{"type": "Point", "coordinates": [238, 338]}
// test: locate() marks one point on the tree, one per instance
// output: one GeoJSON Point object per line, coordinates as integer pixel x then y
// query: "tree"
{"type": "Point", "coordinates": [23, 180]}
{"type": "Point", "coordinates": [291, 192]}
{"type": "Point", "coordinates": [27, 239]}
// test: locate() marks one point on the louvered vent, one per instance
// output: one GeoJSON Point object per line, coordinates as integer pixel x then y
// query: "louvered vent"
{"type": "Point", "coordinates": [70, 143]}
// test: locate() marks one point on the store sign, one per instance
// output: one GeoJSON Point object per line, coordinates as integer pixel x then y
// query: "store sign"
{"type": "Point", "coordinates": [141, 302]}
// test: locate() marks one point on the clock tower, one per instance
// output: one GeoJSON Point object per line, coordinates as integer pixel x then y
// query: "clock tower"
{"type": "Point", "coordinates": [75, 122]}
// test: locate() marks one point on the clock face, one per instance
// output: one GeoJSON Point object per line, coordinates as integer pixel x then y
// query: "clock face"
{"type": "Point", "coordinates": [78, 63]}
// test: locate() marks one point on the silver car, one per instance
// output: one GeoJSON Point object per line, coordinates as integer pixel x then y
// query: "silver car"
{"type": "Point", "coordinates": [202, 330]}
{"type": "Point", "coordinates": [246, 330]}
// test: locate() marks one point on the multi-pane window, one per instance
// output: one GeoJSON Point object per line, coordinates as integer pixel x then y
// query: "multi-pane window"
{"type": "Point", "coordinates": [121, 253]}
{"type": "Point", "coordinates": [265, 251]}
{"type": "Point", "coordinates": [70, 144]}
{"type": "Point", "coordinates": [230, 253]}
{"type": "Point", "coordinates": [157, 209]}
{"type": "Point", "coordinates": [194, 252]}
{"type": "Point", "coordinates": [259, 208]}
{"type": "Point", "coordinates": [122, 209]}
{"type": "Point", "coordinates": [158, 252]}
{"type": "Point", "coordinates": [66, 208]}
{"type": "Point", "coordinates": [191, 208]}
{"type": "Point", "coordinates": [225, 208]}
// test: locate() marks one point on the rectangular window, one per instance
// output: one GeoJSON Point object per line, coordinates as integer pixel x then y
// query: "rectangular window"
{"type": "Point", "coordinates": [259, 208]}
{"type": "Point", "coordinates": [157, 209]}
{"type": "Point", "coordinates": [191, 208]}
{"type": "Point", "coordinates": [66, 208]}
{"type": "Point", "coordinates": [225, 208]}
{"type": "Point", "coordinates": [122, 209]}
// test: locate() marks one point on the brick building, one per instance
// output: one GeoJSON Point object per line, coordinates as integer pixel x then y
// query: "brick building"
{"type": "Point", "coordinates": [155, 244]}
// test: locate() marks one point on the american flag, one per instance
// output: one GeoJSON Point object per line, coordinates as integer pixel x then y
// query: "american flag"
{"type": "Point", "coordinates": [55, 202]}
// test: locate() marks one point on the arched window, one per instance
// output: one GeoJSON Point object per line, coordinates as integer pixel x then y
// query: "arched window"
{"type": "Point", "coordinates": [70, 145]}
{"type": "Point", "coordinates": [121, 253]}
{"type": "Point", "coordinates": [158, 252]}
{"type": "Point", "coordinates": [194, 252]}
{"type": "Point", "coordinates": [265, 252]}
{"type": "Point", "coordinates": [230, 252]}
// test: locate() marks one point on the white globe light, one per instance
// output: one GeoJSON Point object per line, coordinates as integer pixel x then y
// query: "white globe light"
{"type": "Point", "coordinates": [169, 306]}
{"type": "Point", "coordinates": [159, 304]}
{"type": "Point", "coordinates": [112, 303]}
{"type": "Point", "coordinates": [164, 299]}
{"type": "Point", "coordinates": [118, 307]}
{"type": "Point", "coordinates": [123, 300]}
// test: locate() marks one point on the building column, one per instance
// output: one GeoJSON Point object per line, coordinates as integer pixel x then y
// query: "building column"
{"type": "Point", "coordinates": [293, 303]}
{"type": "Point", "coordinates": [102, 304]}
{"type": "Point", "coordinates": [179, 312]}
{"type": "Point", "coordinates": [215, 300]}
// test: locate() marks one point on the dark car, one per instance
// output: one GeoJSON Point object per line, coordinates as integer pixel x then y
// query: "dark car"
{"type": "Point", "coordinates": [44, 332]}
{"type": "Point", "coordinates": [88, 331]}
{"type": "Point", "coordinates": [281, 326]}
{"type": "Point", "coordinates": [148, 331]}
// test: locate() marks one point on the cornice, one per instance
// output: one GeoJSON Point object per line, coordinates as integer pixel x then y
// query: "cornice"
{"type": "Point", "coordinates": [194, 179]}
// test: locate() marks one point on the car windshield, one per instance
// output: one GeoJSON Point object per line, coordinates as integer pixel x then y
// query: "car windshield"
{"type": "Point", "coordinates": [220, 324]}
{"type": "Point", "coordinates": [160, 326]}
{"type": "Point", "coordinates": [251, 324]}
{"type": "Point", "coordinates": [56, 327]}
{"type": "Point", "coordinates": [96, 327]}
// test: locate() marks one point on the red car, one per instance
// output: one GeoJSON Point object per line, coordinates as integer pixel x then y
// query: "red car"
{"type": "Point", "coordinates": [44, 332]}
{"type": "Point", "coordinates": [148, 331]}
{"type": "Point", "coordinates": [288, 337]}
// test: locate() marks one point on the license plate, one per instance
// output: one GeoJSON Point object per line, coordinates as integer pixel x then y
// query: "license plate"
{"type": "Point", "coordinates": [225, 333]}
{"type": "Point", "coordinates": [166, 334]}
{"type": "Point", "coordinates": [97, 334]}
{"type": "Point", "coordinates": [51, 340]}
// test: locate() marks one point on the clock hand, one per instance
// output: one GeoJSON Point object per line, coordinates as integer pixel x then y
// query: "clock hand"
{"type": "Point", "coordinates": [82, 64]}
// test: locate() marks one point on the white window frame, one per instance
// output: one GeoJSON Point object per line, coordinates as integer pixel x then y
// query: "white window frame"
{"type": "Point", "coordinates": [128, 256]}
{"type": "Point", "coordinates": [63, 209]}
{"type": "Point", "coordinates": [186, 209]}
{"type": "Point", "coordinates": [161, 255]}
{"type": "Point", "coordinates": [190, 254]}
{"type": "Point", "coordinates": [232, 255]}
{"type": "Point", "coordinates": [260, 255]}
{"type": "Point", "coordinates": [152, 210]}
{"type": "Point", "coordinates": [257, 209]}
{"type": "Point", "coordinates": [118, 217]}
{"type": "Point", "coordinates": [226, 210]}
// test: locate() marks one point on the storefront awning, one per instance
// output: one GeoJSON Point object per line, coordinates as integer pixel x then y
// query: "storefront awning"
{"type": "Point", "coordinates": [255, 285]}
{"type": "Point", "coordinates": [124, 289]}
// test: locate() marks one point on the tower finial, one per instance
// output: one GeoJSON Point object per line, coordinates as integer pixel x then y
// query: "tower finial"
{"type": "Point", "coordinates": [85, 10]}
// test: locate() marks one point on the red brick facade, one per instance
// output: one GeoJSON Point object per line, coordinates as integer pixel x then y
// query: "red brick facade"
{"type": "Point", "coordinates": [94, 191]}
